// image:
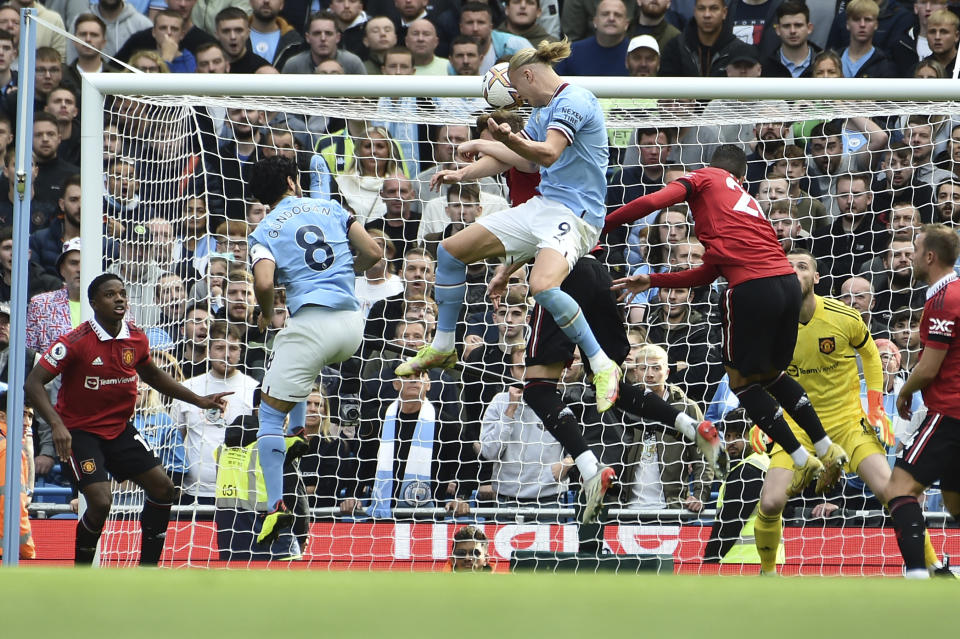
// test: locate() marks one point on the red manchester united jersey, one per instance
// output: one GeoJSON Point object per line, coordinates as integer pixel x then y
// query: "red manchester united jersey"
{"type": "Point", "coordinates": [98, 375]}
{"type": "Point", "coordinates": [940, 329]}
{"type": "Point", "coordinates": [737, 238]}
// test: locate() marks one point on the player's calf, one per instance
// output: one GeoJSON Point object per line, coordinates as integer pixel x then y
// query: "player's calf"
{"type": "Point", "coordinates": [910, 528]}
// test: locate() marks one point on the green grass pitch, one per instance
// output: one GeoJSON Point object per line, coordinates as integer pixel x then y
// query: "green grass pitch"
{"type": "Point", "coordinates": [177, 604]}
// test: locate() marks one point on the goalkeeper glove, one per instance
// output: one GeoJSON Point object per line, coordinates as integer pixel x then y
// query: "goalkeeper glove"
{"type": "Point", "coordinates": [877, 417]}
{"type": "Point", "coordinates": [759, 441]}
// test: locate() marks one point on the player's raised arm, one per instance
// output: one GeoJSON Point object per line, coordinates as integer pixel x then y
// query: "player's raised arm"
{"type": "Point", "coordinates": [366, 251]}
{"type": "Point", "coordinates": [873, 376]}
{"type": "Point", "coordinates": [540, 153]}
{"type": "Point", "coordinates": [672, 193]}
{"type": "Point", "coordinates": [500, 152]}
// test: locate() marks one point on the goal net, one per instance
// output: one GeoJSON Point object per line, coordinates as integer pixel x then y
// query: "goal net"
{"type": "Point", "coordinates": [849, 180]}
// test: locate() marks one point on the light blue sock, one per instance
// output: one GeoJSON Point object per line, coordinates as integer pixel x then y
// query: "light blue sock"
{"type": "Point", "coordinates": [272, 451]}
{"type": "Point", "coordinates": [298, 417]}
{"type": "Point", "coordinates": [566, 312]}
{"type": "Point", "coordinates": [449, 289]}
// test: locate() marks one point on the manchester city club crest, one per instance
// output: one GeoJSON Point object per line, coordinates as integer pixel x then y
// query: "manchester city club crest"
{"type": "Point", "coordinates": [828, 345]}
{"type": "Point", "coordinates": [416, 493]}
{"type": "Point", "coordinates": [127, 356]}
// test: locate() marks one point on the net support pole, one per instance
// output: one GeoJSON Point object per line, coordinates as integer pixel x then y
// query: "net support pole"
{"type": "Point", "coordinates": [18, 289]}
{"type": "Point", "coordinates": [91, 178]}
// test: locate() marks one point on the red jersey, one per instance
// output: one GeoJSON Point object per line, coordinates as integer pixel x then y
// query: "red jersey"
{"type": "Point", "coordinates": [940, 329]}
{"type": "Point", "coordinates": [739, 242]}
{"type": "Point", "coordinates": [523, 186]}
{"type": "Point", "coordinates": [98, 391]}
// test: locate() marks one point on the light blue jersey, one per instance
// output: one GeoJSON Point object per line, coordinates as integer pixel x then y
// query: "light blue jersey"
{"type": "Point", "coordinates": [308, 241]}
{"type": "Point", "coordinates": [578, 179]}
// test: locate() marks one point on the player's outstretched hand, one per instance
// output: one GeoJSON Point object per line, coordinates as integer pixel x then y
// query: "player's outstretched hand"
{"type": "Point", "coordinates": [631, 285]}
{"type": "Point", "coordinates": [501, 132]}
{"type": "Point", "coordinates": [903, 405]}
{"type": "Point", "coordinates": [445, 176]}
{"type": "Point", "coordinates": [214, 401]}
{"type": "Point", "coordinates": [62, 441]}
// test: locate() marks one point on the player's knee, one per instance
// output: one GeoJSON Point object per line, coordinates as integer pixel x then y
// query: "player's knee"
{"type": "Point", "coordinates": [163, 492]}
{"type": "Point", "coordinates": [772, 504]}
{"type": "Point", "coordinates": [98, 506]}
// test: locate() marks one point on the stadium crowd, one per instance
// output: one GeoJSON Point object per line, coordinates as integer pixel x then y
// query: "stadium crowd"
{"type": "Point", "coordinates": [853, 191]}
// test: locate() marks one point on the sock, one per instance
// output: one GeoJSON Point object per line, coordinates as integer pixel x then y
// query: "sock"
{"type": "Point", "coordinates": [929, 554]}
{"type": "Point", "coordinates": [85, 546]}
{"type": "Point", "coordinates": [587, 464]}
{"type": "Point", "coordinates": [298, 417]}
{"type": "Point", "coordinates": [908, 522]}
{"type": "Point", "coordinates": [791, 396]}
{"type": "Point", "coordinates": [154, 520]}
{"type": "Point", "coordinates": [543, 397]}
{"type": "Point", "coordinates": [766, 414]}
{"type": "Point", "coordinates": [271, 450]}
{"type": "Point", "coordinates": [449, 289]}
{"type": "Point", "coordinates": [566, 312]}
{"type": "Point", "coordinates": [642, 403]}
{"type": "Point", "coordinates": [767, 530]}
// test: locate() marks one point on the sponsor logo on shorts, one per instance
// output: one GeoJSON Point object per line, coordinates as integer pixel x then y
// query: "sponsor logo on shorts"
{"type": "Point", "coordinates": [941, 327]}
{"type": "Point", "coordinates": [828, 345]}
{"type": "Point", "coordinates": [88, 466]}
{"type": "Point", "coordinates": [128, 356]}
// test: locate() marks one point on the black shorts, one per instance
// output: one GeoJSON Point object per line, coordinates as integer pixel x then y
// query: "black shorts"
{"type": "Point", "coordinates": [933, 452]}
{"type": "Point", "coordinates": [589, 284]}
{"type": "Point", "coordinates": [123, 457]}
{"type": "Point", "coordinates": [760, 319]}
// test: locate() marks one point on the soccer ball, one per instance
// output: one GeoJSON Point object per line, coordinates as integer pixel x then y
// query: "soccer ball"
{"type": "Point", "coordinates": [497, 90]}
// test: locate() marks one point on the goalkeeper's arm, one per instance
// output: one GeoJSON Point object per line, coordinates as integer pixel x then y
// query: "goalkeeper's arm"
{"type": "Point", "coordinates": [873, 376]}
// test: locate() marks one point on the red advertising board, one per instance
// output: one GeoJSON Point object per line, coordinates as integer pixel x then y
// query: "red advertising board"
{"type": "Point", "coordinates": [425, 546]}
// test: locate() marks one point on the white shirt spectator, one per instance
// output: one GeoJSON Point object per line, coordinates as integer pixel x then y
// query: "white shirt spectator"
{"type": "Point", "coordinates": [369, 294]}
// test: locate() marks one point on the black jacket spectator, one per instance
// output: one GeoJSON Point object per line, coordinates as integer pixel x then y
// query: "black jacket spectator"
{"type": "Point", "coordinates": [773, 67]}
{"type": "Point", "coordinates": [892, 23]}
{"type": "Point", "coordinates": [48, 187]}
{"type": "Point", "coordinates": [248, 63]}
{"type": "Point", "coordinates": [840, 253]}
{"type": "Point", "coordinates": [878, 65]}
{"type": "Point", "coordinates": [684, 55]}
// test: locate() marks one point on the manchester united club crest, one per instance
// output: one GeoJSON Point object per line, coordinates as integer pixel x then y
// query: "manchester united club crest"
{"type": "Point", "coordinates": [828, 345]}
{"type": "Point", "coordinates": [128, 356]}
{"type": "Point", "coordinates": [88, 466]}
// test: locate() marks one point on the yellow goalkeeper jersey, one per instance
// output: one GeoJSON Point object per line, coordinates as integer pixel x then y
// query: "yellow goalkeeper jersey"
{"type": "Point", "coordinates": [825, 362]}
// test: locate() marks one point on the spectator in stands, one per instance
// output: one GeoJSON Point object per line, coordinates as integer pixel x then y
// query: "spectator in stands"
{"type": "Point", "coordinates": [462, 209]}
{"type": "Point", "coordinates": [212, 58]}
{"type": "Point", "coordinates": [401, 219]}
{"type": "Point", "coordinates": [52, 169]}
{"type": "Point", "coordinates": [10, 22]}
{"type": "Point", "coordinates": [858, 293]}
{"type": "Point", "coordinates": [893, 21]}
{"type": "Point", "coordinates": [233, 33]}
{"type": "Point", "coordinates": [404, 131]}
{"type": "Point", "coordinates": [651, 21]}
{"type": "Point", "coordinates": [203, 430]}
{"type": "Point", "coordinates": [171, 301]}
{"type": "Point", "coordinates": [773, 188]}
{"type": "Point", "coordinates": [660, 469]}
{"type": "Point", "coordinates": [229, 166]}
{"type": "Point", "coordinates": [706, 45]}
{"type": "Point", "coordinates": [947, 209]}
{"type": "Point", "coordinates": [379, 281]}
{"type": "Point", "coordinates": [794, 57]}
{"type": "Point", "coordinates": [375, 157]}
{"type": "Point", "coordinates": [271, 37]}
{"type": "Point", "coordinates": [62, 104]}
{"type": "Point", "coordinates": [323, 37]}
{"type": "Point", "coordinates": [854, 238]}
{"type": "Point", "coordinates": [747, 19]}
{"type": "Point", "coordinates": [379, 36]}
{"type": "Point", "coordinates": [905, 333]}
{"type": "Point", "coordinates": [521, 18]}
{"type": "Point", "coordinates": [196, 243]}
{"type": "Point", "coordinates": [423, 42]}
{"type": "Point", "coordinates": [894, 378]}
{"type": "Point", "coordinates": [605, 52]}
{"type": "Point", "coordinates": [140, 273]}
{"type": "Point", "coordinates": [943, 35]}
{"type": "Point", "coordinates": [476, 22]}
{"type": "Point", "coordinates": [829, 159]}
{"type": "Point", "coordinates": [695, 144]}
{"type": "Point", "coordinates": [122, 198]}
{"type": "Point", "coordinates": [6, 134]}
{"type": "Point", "coordinates": [576, 18]}
{"type": "Point", "coordinates": [46, 245]}
{"type": "Point", "coordinates": [41, 212]}
{"type": "Point", "coordinates": [668, 228]}
{"type": "Point", "coordinates": [905, 221]}
{"type": "Point", "coordinates": [417, 274]}
{"type": "Point", "coordinates": [47, 37]}
{"type": "Point", "coordinates": [8, 55]}
{"type": "Point", "coordinates": [122, 20]}
{"type": "Point", "coordinates": [210, 289]}
{"type": "Point", "coordinates": [685, 334]}
{"type": "Point", "coordinates": [914, 45]}
{"type": "Point", "coordinates": [808, 210]}
{"type": "Point", "coordinates": [471, 550]}
{"type": "Point", "coordinates": [149, 62]}
{"type": "Point", "coordinates": [191, 346]}
{"type": "Point", "coordinates": [444, 145]}
{"type": "Point", "coordinates": [329, 467]}
{"type": "Point", "coordinates": [919, 133]}
{"type": "Point", "coordinates": [351, 19]}
{"type": "Point", "coordinates": [790, 233]}
{"type": "Point", "coordinates": [892, 278]}
{"type": "Point", "coordinates": [527, 464]}
{"type": "Point", "coordinates": [231, 238]}
{"type": "Point", "coordinates": [394, 475]}
{"type": "Point", "coordinates": [168, 34]}
{"type": "Point", "coordinates": [464, 56]}
{"type": "Point", "coordinates": [57, 312]}
{"type": "Point", "coordinates": [929, 70]}
{"type": "Point", "coordinates": [643, 57]}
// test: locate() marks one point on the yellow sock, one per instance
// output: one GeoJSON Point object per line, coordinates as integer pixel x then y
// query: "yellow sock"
{"type": "Point", "coordinates": [767, 531]}
{"type": "Point", "coordinates": [929, 554]}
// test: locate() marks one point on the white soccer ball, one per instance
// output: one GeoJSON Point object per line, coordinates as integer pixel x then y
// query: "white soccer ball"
{"type": "Point", "coordinates": [497, 90]}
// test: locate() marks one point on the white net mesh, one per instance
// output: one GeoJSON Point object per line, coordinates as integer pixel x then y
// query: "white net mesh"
{"type": "Point", "coordinates": [175, 167]}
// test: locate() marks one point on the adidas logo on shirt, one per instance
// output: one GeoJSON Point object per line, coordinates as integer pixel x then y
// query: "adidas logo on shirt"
{"type": "Point", "coordinates": [97, 362]}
